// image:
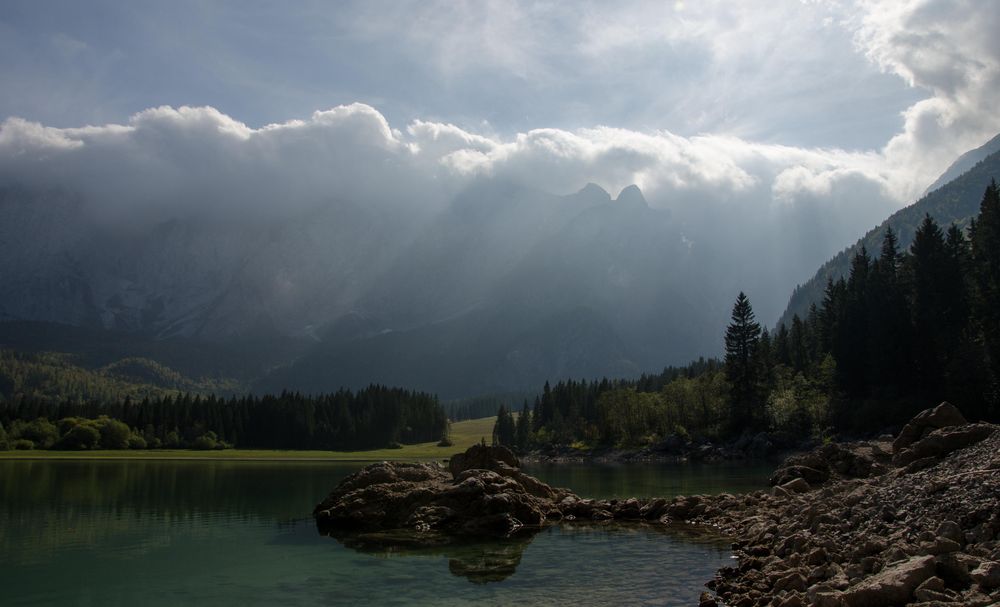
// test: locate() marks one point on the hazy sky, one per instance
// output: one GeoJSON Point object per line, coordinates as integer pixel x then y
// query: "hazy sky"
{"type": "Point", "coordinates": [777, 103]}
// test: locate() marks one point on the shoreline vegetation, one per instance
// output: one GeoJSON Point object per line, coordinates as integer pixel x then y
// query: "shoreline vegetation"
{"type": "Point", "coordinates": [463, 435]}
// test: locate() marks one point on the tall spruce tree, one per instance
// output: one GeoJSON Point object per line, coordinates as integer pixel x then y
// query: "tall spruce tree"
{"type": "Point", "coordinates": [985, 270]}
{"type": "Point", "coordinates": [742, 341]}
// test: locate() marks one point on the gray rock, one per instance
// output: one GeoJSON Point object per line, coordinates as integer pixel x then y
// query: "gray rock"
{"type": "Point", "coordinates": [943, 441]}
{"type": "Point", "coordinates": [798, 485]}
{"type": "Point", "coordinates": [893, 586]}
{"type": "Point", "coordinates": [950, 530]}
{"type": "Point", "coordinates": [941, 416]}
{"type": "Point", "coordinates": [480, 496]}
{"type": "Point", "coordinates": [987, 575]}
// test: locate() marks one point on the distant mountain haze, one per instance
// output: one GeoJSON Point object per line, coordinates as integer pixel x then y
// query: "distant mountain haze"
{"type": "Point", "coordinates": [494, 287]}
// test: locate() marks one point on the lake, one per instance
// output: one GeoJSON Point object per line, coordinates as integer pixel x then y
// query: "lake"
{"type": "Point", "coordinates": [107, 533]}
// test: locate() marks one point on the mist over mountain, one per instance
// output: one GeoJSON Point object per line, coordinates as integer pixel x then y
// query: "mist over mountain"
{"type": "Point", "coordinates": [433, 258]}
{"type": "Point", "coordinates": [954, 201]}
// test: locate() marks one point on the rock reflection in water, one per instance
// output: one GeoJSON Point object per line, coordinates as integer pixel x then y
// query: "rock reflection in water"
{"type": "Point", "coordinates": [479, 561]}
{"type": "Point", "coordinates": [482, 561]}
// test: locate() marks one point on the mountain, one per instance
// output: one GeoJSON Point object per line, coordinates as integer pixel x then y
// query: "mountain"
{"type": "Point", "coordinates": [499, 290]}
{"type": "Point", "coordinates": [953, 202]}
{"type": "Point", "coordinates": [965, 162]}
{"type": "Point", "coordinates": [521, 289]}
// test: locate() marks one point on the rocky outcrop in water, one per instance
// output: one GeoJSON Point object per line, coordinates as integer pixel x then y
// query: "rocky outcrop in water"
{"type": "Point", "coordinates": [483, 492]}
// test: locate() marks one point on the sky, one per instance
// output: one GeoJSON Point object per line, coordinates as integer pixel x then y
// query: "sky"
{"type": "Point", "coordinates": [845, 108]}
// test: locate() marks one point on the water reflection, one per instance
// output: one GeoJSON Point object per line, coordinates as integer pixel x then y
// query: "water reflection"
{"type": "Point", "coordinates": [223, 533]}
{"type": "Point", "coordinates": [479, 561]}
{"type": "Point", "coordinates": [483, 561]}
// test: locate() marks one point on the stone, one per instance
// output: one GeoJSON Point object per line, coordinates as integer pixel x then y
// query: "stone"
{"type": "Point", "coordinates": [943, 441]}
{"type": "Point", "coordinates": [792, 472]}
{"type": "Point", "coordinates": [940, 545]}
{"type": "Point", "coordinates": [798, 485]}
{"type": "Point", "coordinates": [950, 530]}
{"type": "Point", "coordinates": [941, 416]}
{"type": "Point", "coordinates": [793, 581]}
{"type": "Point", "coordinates": [482, 457]}
{"type": "Point", "coordinates": [892, 586]}
{"type": "Point", "coordinates": [987, 575]}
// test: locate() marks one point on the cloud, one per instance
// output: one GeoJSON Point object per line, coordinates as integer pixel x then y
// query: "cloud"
{"type": "Point", "coordinates": [775, 211]}
{"type": "Point", "coordinates": [948, 48]}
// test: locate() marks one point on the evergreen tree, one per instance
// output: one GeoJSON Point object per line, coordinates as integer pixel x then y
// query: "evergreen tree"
{"type": "Point", "coordinates": [985, 270]}
{"type": "Point", "coordinates": [742, 340]}
{"type": "Point", "coordinates": [523, 431]}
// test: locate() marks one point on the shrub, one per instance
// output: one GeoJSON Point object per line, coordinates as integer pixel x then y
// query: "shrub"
{"type": "Point", "coordinates": [395, 445]}
{"type": "Point", "coordinates": [114, 434]}
{"type": "Point", "coordinates": [23, 444]}
{"type": "Point", "coordinates": [206, 442]}
{"type": "Point", "coordinates": [136, 442]}
{"type": "Point", "coordinates": [41, 432]}
{"type": "Point", "coordinates": [445, 441]}
{"type": "Point", "coordinates": [80, 436]}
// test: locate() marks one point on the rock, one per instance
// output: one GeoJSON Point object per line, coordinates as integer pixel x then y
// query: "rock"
{"type": "Point", "coordinates": [943, 441]}
{"type": "Point", "coordinates": [987, 575]}
{"type": "Point", "coordinates": [940, 545]}
{"type": "Point", "coordinates": [793, 581]}
{"type": "Point", "coordinates": [932, 583]}
{"type": "Point", "coordinates": [893, 586]}
{"type": "Point", "coordinates": [791, 472]}
{"type": "Point", "coordinates": [480, 496]}
{"type": "Point", "coordinates": [941, 416]}
{"type": "Point", "coordinates": [482, 457]}
{"type": "Point", "coordinates": [707, 600]}
{"type": "Point", "coordinates": [798, 485]}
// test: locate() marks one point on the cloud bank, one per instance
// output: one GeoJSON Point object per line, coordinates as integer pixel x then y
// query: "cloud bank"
{"type": "Point", "coordinates": [799, 203]}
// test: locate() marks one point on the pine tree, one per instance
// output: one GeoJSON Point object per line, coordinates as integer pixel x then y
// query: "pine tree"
{"type": "Point", "coordinates": [742, 340]}
{"type": "Point", "coordinates": [985, 270]}
{"type": "Point", "coordinates": [523, 428]}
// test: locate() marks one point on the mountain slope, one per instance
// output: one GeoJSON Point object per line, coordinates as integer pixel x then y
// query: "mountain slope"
{"type": "Point", "coordinates": [966, 162]}
{"type": "Point", "coordinates": [954, 202]}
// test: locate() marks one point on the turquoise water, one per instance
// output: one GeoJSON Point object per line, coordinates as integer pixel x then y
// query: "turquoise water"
{"type": "Point", "coordinates": [155, 533]}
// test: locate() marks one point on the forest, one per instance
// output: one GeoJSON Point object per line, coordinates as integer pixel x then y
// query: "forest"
{"type": "Point", "coordinates": [374, 417]}
{"type": "Point", "coordinates": [904, 331]}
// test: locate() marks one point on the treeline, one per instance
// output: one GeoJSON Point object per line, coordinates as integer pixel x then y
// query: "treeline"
{"type": "Point", "coordinates": [375, 417]}
{"type": "Point", "coordinates": [55, 377]}
{"type": "Point", "coordinates": [903, 331]}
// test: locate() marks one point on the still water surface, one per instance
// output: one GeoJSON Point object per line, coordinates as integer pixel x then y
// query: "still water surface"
{"type": "Point", "coordinates": [108, 533]}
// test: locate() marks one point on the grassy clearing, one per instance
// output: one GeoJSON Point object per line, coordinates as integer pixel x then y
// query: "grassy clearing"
{"type": "Point", "coordinates": [463, 434]}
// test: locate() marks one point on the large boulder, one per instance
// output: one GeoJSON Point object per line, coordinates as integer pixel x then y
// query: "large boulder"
{"type": "Point", "coordinates": [941, 442]}
{"type": "Point", "coordinates": [892, 586]}
{"type": "Point", "coordinates": [928, 420]}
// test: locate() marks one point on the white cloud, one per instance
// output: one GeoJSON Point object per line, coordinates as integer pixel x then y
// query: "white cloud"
{"type": "Point", "coordinates": [169, 162]}
{"type": "Point", "coordinates": [950, 49]}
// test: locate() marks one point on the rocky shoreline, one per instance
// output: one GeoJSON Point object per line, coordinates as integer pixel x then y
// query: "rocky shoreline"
{"type": "Point", "coordinates": [913, 521]}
